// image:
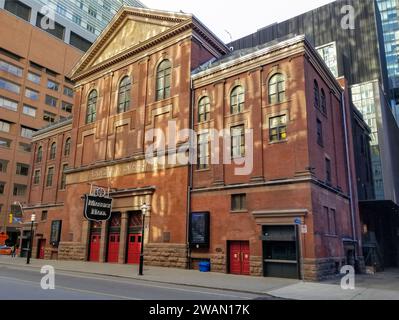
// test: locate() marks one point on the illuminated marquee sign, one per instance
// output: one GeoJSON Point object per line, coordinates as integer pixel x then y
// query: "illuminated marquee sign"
{"type": "Point", "coordinates": [199, 229]}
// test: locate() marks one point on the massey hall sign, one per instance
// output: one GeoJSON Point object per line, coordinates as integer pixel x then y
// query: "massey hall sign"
{"type": "Point", "coordinates": [97, 208]}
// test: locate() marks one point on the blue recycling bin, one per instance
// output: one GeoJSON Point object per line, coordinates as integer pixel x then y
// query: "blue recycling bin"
{"type": "Point", "coordinates": [204, 266]}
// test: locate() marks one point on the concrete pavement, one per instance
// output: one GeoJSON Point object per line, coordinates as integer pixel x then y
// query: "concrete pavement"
{"type": "Point", "coordinates": [383, 286]}
{"type": "Point", "coordinates": [19, 283]}
{"type": "Point", "coordinates": [162, 275]}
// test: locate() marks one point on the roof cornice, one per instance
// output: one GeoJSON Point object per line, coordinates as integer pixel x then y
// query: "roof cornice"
{"type": "Point", "coordinates": [52, 130]}
{"type": "Point", "coordinates": [283, 49]}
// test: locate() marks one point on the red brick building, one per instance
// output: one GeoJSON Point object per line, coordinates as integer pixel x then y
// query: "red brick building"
{"type": "Point", "coordinates": [34, 92]}
{"type": "Point", "coordinates": [294, 214]}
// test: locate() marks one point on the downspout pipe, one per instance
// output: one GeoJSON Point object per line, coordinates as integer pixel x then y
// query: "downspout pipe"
{"type": "Point", "coordinates": [190, 175]}
{"type": "Point", "coordinates": [348, 163]}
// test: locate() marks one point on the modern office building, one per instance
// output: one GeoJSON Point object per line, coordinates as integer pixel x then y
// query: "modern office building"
{"type": "Point", "coordinates": [34, 93]}
{"type": "Point", "coordinates": [389, 10]}
{"type": "Point", "coordinates": [358, 55]}
{"type": "Point", "coordinates": [77, 22]}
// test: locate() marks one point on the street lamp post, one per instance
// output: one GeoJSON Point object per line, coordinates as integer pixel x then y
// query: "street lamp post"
{"type": "Point", "coordinates": [21, 207]}
{"type": "Point", "coordinates": [144, 209]}
{"type": "Point", "coordinates": [32, 219]}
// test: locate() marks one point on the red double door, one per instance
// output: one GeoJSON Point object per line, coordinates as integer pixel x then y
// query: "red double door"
{"type": "Point", "coordinates": [239, 257]}
{"type": "Point", "coordinates": [114, 238]}
{"type": "Point", "coordinates": [95, 240]}
{"type": "Point", "coordinates": [134, 248]}
{"type": "Point", "coordinates": [113, 247]}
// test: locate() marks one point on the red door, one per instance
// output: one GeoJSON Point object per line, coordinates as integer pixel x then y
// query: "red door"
{"type": "Point", "coordinates": [245, 258]}
{"type": "Point", "coordinates": [134, 248]}
{"type": "Point", "coordinates": [95, 248]}
{"type": "Point", "coordinates": [113, 247]}
{"type": "Point", "coordinates": [41, 249]}
{"type": "Point", "coordinates": [239, 257]}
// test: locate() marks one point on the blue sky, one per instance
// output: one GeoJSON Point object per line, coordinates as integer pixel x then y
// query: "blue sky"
{"type": "Point", "coordinates": [237, 18]}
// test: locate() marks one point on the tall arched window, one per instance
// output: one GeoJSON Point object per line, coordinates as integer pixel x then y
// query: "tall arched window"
{"type": "Point", "coordinates": [164, 75]}
{"type": "Point", "coordinates": [67, 148]}
{"type": "Point", "coordinates": [53, 150]}
{"type": "Point", "coordinates": [316, 94]}
{"type": "Point", "coordinates": [91, 107]}
{"type": "Point", "coordinates": [124, 95]}
{"type": "Point", "coordinates": [204, 110]}
{"type": "Point", "coordinates": [276, 89]}
{"type": "Point", "coordinates": [323, 101]}
{"type": "Point", "coordinates": [39, 156]}
{"type": "Point", "coordinates": [237, 100]}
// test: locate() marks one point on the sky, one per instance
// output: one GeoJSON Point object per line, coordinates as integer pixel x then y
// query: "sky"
{"type": "Point", "coordinates": [232, 19]}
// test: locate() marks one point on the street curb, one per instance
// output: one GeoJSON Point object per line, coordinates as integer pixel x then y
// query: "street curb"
{"type": "Point", "coordinates": [148, 280]}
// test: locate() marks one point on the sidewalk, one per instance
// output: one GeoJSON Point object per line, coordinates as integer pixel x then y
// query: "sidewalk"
{"type": "Point", "coordinates": [194, 278]}
{"type": "Point", "coordinates": [280, 288]}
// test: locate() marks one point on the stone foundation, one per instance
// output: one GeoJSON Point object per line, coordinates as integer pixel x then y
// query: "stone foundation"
{"type": "Point", "coordinates": [218, 263]}
{"type": "Point", "coordinates": [322, 269]}
{"type": "Point", "coordinates": [166, 255]}
{"type": "Point", "coordinates": [256, 266]}
{"type": "Point", "coordinates": [329, 268]}
{"type": "Point", "coordinates": [51, 254]}
{"type": "Point", "coordinates": [73, 251]}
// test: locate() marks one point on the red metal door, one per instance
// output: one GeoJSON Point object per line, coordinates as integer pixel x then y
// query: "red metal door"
{"type": "Point", "coordinates": [134, 248]}
{"type": "Point", "coordinates": [239, 258]}
{"type": "Point", "coordinates": [41, 249]}
{"type": "Point", "coordinates": [235, 258]}
{"type": "Point", "coordinates": [95, 248]}
{"type": "Point", "coordinates": [245, 258]}
{"type": "Point", "coordinates": [113, 248]}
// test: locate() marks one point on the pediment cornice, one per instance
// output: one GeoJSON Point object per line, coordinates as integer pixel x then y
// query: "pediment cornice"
{"type": "Point", "coordinates": [177, 24]}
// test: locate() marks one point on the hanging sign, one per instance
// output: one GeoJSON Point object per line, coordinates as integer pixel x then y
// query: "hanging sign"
{"type": "Point", "coordinates": [98, 206]}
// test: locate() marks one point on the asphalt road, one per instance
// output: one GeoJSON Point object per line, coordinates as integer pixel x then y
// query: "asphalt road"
{"type": "Point", "coordinates": [24, 284]}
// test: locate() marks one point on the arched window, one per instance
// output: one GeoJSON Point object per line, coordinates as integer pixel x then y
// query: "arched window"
{"type": "Point", "coordinates": [164, 75]}
{"type": "Point", "coordinates": [124, 95]}
{"type": "Point", "coordinates": [316, 94]}
{"type": "Point", "coordinates": [67, 148]}
{"type": "Point", "coordinates": [323, 101]}
{"type": "Point", "coordinates": [204, 110]}
{"type": "Point", "coordinates": [91, 107]}
{"type": "Point", "coordinates": [53, 150]}
{"type": "Point", "coordinates": [276, 89]}
{"type": "Point", "coordinates": [237, 100]}
{"type": "Point", "coordinates": [39, 156]}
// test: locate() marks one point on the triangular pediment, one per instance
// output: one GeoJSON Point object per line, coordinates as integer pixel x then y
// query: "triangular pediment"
{"type": "Point", "coordinates": [130, 27]}
{"type": "Point", "coordinates": [133, 30]}
{"type": "Point", "coordinates": [130, 34]}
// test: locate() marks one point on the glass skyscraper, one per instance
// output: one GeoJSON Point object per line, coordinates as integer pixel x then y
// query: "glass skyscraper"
{"type": "Point", "coordinates": [77, 22]}
{"type": "Point", "coordinates": [91, 15]}
{"type": "Point", "coordinates": [390, 23]}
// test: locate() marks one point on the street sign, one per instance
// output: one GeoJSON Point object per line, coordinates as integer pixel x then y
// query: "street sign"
{"type": "Point", "coordinates": [304, 229]}
{"type": "Point", "coordinates": [97, 208]}
{"type": "Point", "coordinates": [298, 221]}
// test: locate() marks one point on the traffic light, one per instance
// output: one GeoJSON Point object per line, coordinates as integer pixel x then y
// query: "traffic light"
{"type": "Point", "coordinates": [10, 218]}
